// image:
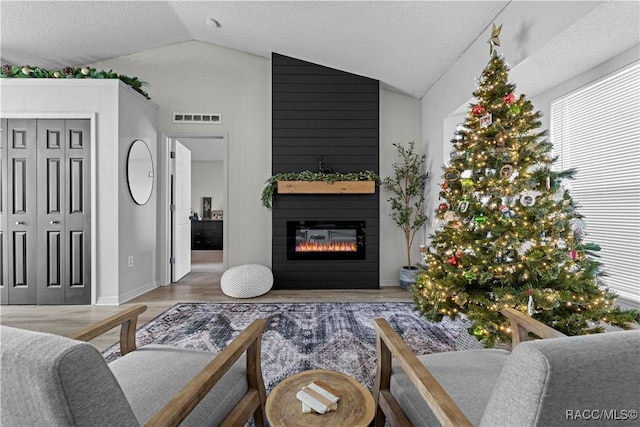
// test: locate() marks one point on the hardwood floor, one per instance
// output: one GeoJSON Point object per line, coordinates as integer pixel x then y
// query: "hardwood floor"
{"type": "Point", "coordinates": [201, 285]}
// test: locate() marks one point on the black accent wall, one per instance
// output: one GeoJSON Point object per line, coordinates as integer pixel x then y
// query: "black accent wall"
{"type": "Point", "coordinates": [322, 111]}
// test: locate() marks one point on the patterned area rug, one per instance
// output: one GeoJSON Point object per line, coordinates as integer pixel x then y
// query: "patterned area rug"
{"type": "Point", "coordinates": [303, 336]}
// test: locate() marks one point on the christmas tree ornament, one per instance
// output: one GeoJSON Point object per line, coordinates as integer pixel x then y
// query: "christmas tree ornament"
{"type": "Point", "coordinates": [509, 98]}
{"type": "Point", "coordinates": [452, 174]}
{"type": "Point", "coordinates": [528, 198]}
{"type": "Point", "coordinates": [525, 247]}
{"type": "Point", "coordinates": [530, 303]}
{"type": "Point", "coordinates": [478, 110]}
{"type": "Point", "coordinates": [450, 216]}
{"type": "Point", "coordinates": [480, 220]}
{"type": "Point", "coordinates": [423, 252]}
{"type": "Point", "coordinates": [506, 171]}
{"type": "Point", "coordinates": [452, 261]}
{"type": "Point", "coordinates": [514, 110]}
{"type": "Point", "coordinates": [445, 185]}
{"type": "Point", "coordinates": [454, 154]}
{"type": "Point", "coordinates": [578, 226]}
{"type": "Point", "coordinates": [463, 205]}
{"type": "Point", "coordinates": [469, 276]}
{"type": "Point", "coordinates": [458, 254]}
{"type": "Point", "coordinates": [573, 254]}
{"type": "Point", "coordinates": [467, 184]}
{"type": "Point", "coordinates": [443, 207]}
{"type": "Point", "coordinates": [558, 196]}
{"type": "Point", "coordinates": [494, 40]}
{"type": "Point", "coordinates": [486, 120]}
{"type": "Point", "coordinates": [547, 183]}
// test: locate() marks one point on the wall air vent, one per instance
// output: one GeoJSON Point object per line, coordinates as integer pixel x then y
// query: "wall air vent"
{"type": "Point", "coordinates": [203, 118]}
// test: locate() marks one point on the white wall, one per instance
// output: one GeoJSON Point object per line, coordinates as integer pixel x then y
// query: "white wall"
{"type": "Point", "coordinates": [542, 101]}
{"type": "Point", "coordinates": [400, 122]}
{"type": "Point", "coordinates": [138, 119]}
{"type": "Point", "coordinates": [207, 181]}
{"type": "Point", "coordinates": [98, 100]}
{"type": "Point", "coordinates": [199, 77]}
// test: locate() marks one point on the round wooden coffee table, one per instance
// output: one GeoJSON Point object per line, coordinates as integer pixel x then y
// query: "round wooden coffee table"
{"type": "Point", "coordinates": [355, 408]}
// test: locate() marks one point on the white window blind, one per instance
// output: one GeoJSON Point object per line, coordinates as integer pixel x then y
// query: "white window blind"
{"type": "Point", "coordinates": [596, 130]}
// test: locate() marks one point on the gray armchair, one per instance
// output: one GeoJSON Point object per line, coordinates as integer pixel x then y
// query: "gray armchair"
{"type": "Point", "coordinates": [581, 380]}
{"type": "Point", "coordinates": [52, 380]}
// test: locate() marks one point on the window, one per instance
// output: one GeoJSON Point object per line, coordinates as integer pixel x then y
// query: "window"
{"type": "Point", "coordinates": [596, 130]}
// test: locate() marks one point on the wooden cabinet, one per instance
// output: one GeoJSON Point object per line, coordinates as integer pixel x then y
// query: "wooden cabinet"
{"type": "Point", "coordinates": [206, 235]}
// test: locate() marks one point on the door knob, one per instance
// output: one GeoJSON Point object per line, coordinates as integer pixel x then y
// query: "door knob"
{"type": "Point", "coordinates": [54, 222]}
{"type": "Point", "coordinates": [19, 222]}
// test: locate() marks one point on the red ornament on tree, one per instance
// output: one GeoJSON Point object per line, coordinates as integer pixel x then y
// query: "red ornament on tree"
{"type": "Point", "coordinates": [478, 110]}
{"type": "Point", "coordinates": [509, 98]}
{"type": "Point", "coordinates": [452, 261]}
{"type": "Point", "coordinates": [443, 207]}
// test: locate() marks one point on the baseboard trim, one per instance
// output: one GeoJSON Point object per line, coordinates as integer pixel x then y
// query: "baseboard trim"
{"type": "Point", "coordinates": [137, 292]}
{"type": "Point", "coordinates": [384, 283]}
{"type": "Point", "coordinates": [107, 301]}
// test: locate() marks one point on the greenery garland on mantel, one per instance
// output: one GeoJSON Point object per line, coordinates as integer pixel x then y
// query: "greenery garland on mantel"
{"type": "Point", "coordinates": [28, 72]}
{"type": "Point", "coordinates": [272, 183]}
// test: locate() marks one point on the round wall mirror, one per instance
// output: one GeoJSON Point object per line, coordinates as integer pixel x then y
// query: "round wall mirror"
{"type": "Point", "coordinates": [140, 172]}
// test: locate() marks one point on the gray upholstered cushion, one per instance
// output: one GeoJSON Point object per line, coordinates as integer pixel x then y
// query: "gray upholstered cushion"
{"type": "Point", "coordinates": [544, 379]}
{"type": "Point", "coordinates": [153, 374]}
{"type": "Point", "coordinates": [56, 381]}
{"type": "Point", "coordinates": [467, 376]}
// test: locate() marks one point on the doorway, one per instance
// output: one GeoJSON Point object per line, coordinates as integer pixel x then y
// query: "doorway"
{"type": "Point", "coordinates": [208, 215]}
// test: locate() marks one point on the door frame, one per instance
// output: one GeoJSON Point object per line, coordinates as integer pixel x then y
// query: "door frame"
{"type": "Point", "coordinates": [91, 116]}
{"type": "Point", "coordinates": [164, 192]}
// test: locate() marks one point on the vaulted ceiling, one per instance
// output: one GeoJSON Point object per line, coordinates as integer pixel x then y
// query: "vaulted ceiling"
{"type": "Point", "coordinates": [405, 45]}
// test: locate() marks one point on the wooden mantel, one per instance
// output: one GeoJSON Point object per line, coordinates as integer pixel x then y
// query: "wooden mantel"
{"type": "Point", "coordinates": [323, 187]}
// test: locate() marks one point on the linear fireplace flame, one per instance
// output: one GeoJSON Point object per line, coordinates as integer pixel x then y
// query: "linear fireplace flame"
{"type": "Point", "coordinates": [327, 247]}
{"type": "Point", "coordinates": [318, 240]}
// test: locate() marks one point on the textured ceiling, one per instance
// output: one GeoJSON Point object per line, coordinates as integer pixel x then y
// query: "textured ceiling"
{"type": "Point", "coordinates": [405, 45]}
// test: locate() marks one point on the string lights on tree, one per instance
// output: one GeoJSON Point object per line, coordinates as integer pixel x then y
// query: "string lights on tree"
{"type": "Point", "coordinates": [510, 234]}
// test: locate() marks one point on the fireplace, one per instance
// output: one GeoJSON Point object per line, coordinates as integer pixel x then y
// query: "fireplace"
{"type": "Point", "coordinates": [320, 240]}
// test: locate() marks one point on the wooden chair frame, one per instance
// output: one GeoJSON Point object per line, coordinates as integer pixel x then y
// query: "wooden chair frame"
{"type": "Point", "coordinates": [181, 405]}
{"type": "Point", "coordinates": [389, 344]}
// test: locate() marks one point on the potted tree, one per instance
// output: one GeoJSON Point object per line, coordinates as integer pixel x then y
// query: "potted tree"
{"type": "Point", "coordinates": [407, 186]}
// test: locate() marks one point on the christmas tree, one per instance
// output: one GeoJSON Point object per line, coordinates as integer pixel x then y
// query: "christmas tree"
{"type": "Point", "coordinates": [511, 235]}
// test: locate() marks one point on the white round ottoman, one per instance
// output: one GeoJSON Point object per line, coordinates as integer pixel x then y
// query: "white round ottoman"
{"type": "Point", "coordinates": [246, 281]}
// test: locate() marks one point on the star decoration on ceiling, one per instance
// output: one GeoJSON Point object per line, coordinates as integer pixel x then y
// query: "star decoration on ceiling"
{"type": "Point", "coordinates": [494, 40]}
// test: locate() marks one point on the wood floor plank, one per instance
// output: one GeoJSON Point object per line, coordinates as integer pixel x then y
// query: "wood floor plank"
{"type": "Point", "coordinates": [201, 285]}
